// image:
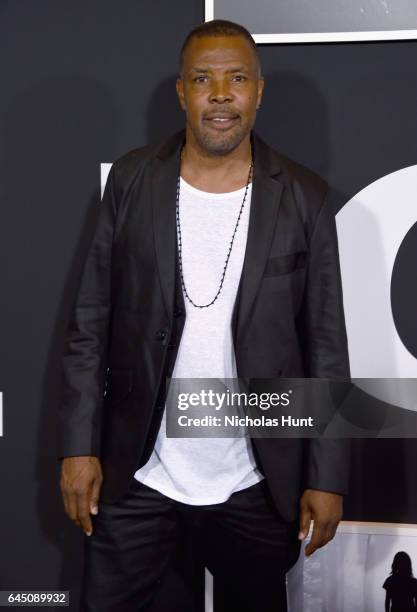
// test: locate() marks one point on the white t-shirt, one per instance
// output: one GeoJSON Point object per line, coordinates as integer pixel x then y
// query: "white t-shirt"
{"type": "Point", "coordinates": [200, 471]}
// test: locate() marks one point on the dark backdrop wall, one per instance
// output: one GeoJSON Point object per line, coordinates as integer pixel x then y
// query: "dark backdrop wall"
{"type": "Point", "coordinates": [82, 83]}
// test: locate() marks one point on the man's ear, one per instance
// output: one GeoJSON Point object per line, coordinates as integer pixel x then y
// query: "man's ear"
{"type": "Point", "coordinates": [180, 92]}
{"type": "Point", "coordinates": [261, 85]}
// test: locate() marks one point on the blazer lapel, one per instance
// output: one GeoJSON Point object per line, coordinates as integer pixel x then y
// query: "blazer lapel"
{"type": "Point", "coordinates": [266, 198]}
{"type": "Point", "coordinates": [165, 170]}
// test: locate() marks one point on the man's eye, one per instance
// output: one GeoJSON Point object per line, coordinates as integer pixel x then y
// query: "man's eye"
{"type": "Point", "coordinates": [239, 78]}
{"type": "Point", "coordinates": [200, 79]}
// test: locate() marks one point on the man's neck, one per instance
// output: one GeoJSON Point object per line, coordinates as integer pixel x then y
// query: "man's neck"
{"type": "Point", "coordinates": [216, 173]}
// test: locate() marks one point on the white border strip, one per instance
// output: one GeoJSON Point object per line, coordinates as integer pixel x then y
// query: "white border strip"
{"type": "Point", "coordinates": [394, 529]}
{"type": "Point", "coordinates": [323, 37]}
{"type": "Point", "coordinates": [320, 37]}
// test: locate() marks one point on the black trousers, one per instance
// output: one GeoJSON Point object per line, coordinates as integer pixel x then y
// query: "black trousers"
{"type": "Point", "coordinates": [244, 542]}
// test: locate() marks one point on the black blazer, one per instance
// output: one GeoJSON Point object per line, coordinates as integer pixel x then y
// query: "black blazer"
{"type": "Point", "coordinates": [128, 317]}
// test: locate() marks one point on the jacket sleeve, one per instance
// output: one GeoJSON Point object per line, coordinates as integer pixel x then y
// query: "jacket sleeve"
{"type": "Point", "coordinates": [85, 353]}
{"type": "Point", "coordinates": [325, 347]}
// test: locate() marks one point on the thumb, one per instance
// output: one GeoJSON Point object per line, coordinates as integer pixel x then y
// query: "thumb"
{"type": "Point", "coordinates": [305, 520]}
{"type": "Point", "coordinates": [95, 493]}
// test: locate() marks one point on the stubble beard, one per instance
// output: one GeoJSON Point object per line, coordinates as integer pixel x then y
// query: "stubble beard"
{"type": "Point", "coordinates": [220, 144]}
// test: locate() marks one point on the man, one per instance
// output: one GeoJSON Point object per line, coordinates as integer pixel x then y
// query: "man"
{"type": "Point", "coordinates": [214, 256]}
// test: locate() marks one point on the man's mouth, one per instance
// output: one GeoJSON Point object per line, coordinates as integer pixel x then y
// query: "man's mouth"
{"type": "Point", "coordinates": [221, 121]}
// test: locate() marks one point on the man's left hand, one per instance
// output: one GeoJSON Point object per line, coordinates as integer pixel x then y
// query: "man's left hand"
{"type": "Point", "coordinates": [325, 509]}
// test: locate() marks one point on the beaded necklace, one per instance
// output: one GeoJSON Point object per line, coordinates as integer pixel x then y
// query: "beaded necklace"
{"type": "Point", "coordinates": [177, 210]}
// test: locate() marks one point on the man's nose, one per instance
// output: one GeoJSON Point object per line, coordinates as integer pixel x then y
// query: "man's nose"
{"type": "Point", "coordinates": [220, 91]}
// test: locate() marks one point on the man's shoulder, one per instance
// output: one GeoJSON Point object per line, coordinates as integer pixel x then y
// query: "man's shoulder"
{"type": "Point", "coordinates": [307, 191]}
{"type": "Point", "coordinates": [297, 173]}
{"type": "Point", "coordinates": [128, 164]}
{"type": "Point", "coordinates": [292, 173]}
{"type": "Point", "coordinates": [127, 168]}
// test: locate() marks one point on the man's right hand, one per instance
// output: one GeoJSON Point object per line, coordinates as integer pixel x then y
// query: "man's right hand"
{"type": "Point", "coordinates": [80, 483]}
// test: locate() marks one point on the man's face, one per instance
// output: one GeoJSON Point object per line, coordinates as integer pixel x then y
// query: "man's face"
{"type": "Point", "coordinates": [219, 90]}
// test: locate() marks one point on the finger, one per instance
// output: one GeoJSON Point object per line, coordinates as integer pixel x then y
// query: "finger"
{"type": "Point", "coordinates": [66, 497]}
{"type": "Point", "coordinates": [324, 538]}
{"type": "Point", "coordinates": [305, 521]}
{"type": "Point", "coordinates": [331, 531]}
{"type": "Point", "coordinates": [72, 508]}
{"type": "Point", "coordinates": [95, 493]}
{"type": "Point", "coordinates": [318, 538]}
{"type": "Point", "coordinates": [83, 511]}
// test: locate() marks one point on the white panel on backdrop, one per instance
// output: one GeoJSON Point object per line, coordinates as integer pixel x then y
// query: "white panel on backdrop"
{"type": "Point", "coordinates": [371, 228]}
{"type": "Point", "coordinates": [301, 21]}
{"type": "Point", "coordinates": [347, 575]}
{"type": "Point", "coordinates": [104, 173]}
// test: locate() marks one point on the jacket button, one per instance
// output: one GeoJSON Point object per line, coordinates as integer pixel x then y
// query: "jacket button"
{"type": "Point", "coordinates": [161, 334]}
{"type": "Point", "coordinates": [178, 312]}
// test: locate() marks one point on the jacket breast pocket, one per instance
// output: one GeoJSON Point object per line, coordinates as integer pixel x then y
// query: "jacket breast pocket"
{"type": "Point", "coordinates": [119, 385]}
{"type": "Point", "coordinates": [285, 264]}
